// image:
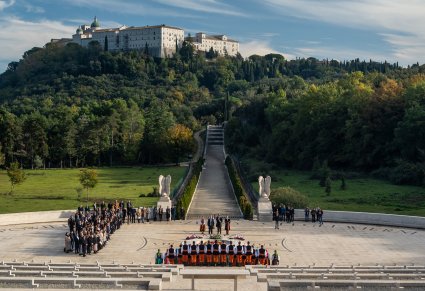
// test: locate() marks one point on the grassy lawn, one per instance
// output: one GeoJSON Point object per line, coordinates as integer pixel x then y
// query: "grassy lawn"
{"type": "Point", "coordinates": [56, 189]}
{"type": "Point", "coordinates": [362, 194]}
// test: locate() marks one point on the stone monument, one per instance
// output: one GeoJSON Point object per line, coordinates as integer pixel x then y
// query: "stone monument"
{"type": "Point", "coordinates": [164, 192]}
{"type": "Point", "coordinates": [265, 210]}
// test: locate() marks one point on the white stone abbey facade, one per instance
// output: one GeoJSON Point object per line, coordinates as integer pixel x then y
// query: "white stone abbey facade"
{"type": "Point", "coordinates": [159, 40]}
{"type": "Point", "coordinates": [219, 43]}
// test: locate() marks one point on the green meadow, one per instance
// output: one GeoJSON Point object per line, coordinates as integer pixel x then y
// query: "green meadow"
{"type": "Point", "coordinates": [362, 194]}
{"type": "Point", "coordinates": [57, 189]}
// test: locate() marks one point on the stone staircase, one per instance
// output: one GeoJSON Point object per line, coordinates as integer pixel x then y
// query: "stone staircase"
{"type": "Point", "coordinates": [214, 194]}
{"type": "Point", "coordinates": [215, 135]}
{"type": "Point", "coordinates": [116, 276]}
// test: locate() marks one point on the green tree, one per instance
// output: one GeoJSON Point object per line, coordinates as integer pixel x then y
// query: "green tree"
{"type": "Point", "coordinates": [16, 175]}
{"type": "Point", "coordinates": [2, 156]}
{"type": "Point", "coordinates": [88, 179]}
{"type": "Point", "coordinates": [106, 45]}
{"type": "Point", "coordinates": [38, 162]}
{"type": "Point", "coordinates": [35, 136]}
{"type": "Point", "coordinates": [180, 139]}
{"type": "Point", "coordinates": [328, 186]}
{"type": "Point", "coordinates": [343, 184]}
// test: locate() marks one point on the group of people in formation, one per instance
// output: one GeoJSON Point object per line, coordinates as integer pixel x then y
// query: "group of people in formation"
{"type": "Point", "coordinates": [91, 229]}
{"type": "Point", "coordinates": [216, 253]}
{"type": "Point", "coordinates": [316, 215]}
{"type": "Point", "coordinates": [215, 222]}
{"type": "Point", "coordinates": [287, 213]}
{"type": "Point", "coordinates": [283, 213]}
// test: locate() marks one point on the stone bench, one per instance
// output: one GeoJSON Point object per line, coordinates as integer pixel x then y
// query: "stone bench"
{"type": "Point", "coordinates": [164, 276]}
{"type": "Point", "coordinates": [162, 270]}
{"type": "Point", "coordinates": [26, 273]}
{"type": "Point", "coordinates": [312, 271]}
{"type": "Point", "coordinates": [12, 282]}
{"type": "Point", "coordinates": [217, 274]}
{"type": "Point", "coordinates": [29, 268]}
{"type": "Point", "coordinates": [277, 285]}
{"type": "Point", "coordinates": [95, 283]}
{"type": "Point", "coordinates": [340, 276]}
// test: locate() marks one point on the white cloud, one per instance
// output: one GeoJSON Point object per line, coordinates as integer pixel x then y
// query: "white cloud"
{"type": "Point", "coordinates": [400, 23]}
{"type": "Point", "coordinates": [209, 6]}
{"type": "Point", "coordinates": [5, 4]}
{"type": "Point", "coordinates": [34, 9]}
{"type": "Point", "coordinates": [119, 6]}
{"type": "Point", "coordinates": [259, 47]}
{"type": "Point", "coordinates": [18, 36]}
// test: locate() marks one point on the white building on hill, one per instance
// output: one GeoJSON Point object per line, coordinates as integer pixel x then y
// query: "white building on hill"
{"type": "Point", "coordinates": [219, 43]}
{"type": "Point", "coordinates": [159, 40]}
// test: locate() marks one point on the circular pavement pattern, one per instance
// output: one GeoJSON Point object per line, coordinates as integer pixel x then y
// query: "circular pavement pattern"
{"type": "Point", "coordinates": [298, 244]}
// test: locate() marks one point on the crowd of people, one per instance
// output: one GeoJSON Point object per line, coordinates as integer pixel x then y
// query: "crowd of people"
{"type": "Point", "coordinates": [216, 253]}
{"type": "Point", "coordinates": [282, 213]}
{"type": "Point", "coordinates": [91, 229]}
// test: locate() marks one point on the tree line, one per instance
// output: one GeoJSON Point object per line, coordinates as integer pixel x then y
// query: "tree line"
{"type": "Point", "coordinates": [362, 122]}
{"type": "Point", "coordinates": [73, 106]}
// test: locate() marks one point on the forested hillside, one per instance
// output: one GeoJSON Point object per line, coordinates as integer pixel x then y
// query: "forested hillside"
{"type": "Point", "coordinates": [72, 106]}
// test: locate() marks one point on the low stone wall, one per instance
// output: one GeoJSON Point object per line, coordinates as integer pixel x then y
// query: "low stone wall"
{"type": "Point", "coordinates": [35, 217]}
{"type": "Point", "coordinates": [328, 216]}
{"type": "Point", "coordinates": [368, 218]}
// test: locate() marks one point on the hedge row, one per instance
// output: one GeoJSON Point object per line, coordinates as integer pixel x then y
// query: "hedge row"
{"type": "Point", "coordinates": [186, 197]}
{"type": "Point", "coordinates": [245, 205]}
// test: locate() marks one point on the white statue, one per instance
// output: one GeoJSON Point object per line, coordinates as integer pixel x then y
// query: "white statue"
{"type": "Point", "coordinates": [167, 185]}
{"type": "Point", "coordinates": [264, 184]}
{"type": "Point", "coordinates": [164, 185]}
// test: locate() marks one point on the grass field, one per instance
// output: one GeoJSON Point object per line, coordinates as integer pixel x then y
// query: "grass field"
{"type": "Point", "coordinates": [362, 194]}
{"type": "Point", "coordinates": [56, 189]}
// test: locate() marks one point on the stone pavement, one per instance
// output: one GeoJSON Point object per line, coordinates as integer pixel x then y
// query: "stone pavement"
{"type": "Point", "coordinates": [298, 244]}
{"type": "Point", "coordinates": [214, 193]}
{"type": "Point", "coordinates": [301, 243]}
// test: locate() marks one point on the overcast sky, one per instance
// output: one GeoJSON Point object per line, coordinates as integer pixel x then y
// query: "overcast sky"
{"type": "Point", "coordinates": [392, 30]}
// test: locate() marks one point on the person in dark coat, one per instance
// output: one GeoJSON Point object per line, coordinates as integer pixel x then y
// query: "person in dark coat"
{"type": "Point", "coordinates": [218, 224]}
{"type": "Point", "coordinates": [210, 223]}
{"type": "Point", "coordinates": [227, 225]}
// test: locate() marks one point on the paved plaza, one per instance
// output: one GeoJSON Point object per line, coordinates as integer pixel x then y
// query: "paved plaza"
{"type": "Point", "coordinates": [301, 243]}
{"type": "Point", "coordinates": [298, 244]}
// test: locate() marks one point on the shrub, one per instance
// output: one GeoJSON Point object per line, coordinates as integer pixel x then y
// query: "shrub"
{"type": "Point", "coordinates": [188, 192]}
{"type": "Point", "coordinates": [288, 196]}
{"type": "Point", "coordinates": [240, 194]}
{"type": "Point", "coordinates": [407, 173]}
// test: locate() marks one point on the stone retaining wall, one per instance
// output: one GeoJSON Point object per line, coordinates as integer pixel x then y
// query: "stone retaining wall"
{"type": "Point", "coordinates": [328, 216]}
{"type": "Point", "coordinates": [35, 217]}
{"type": "Point", "coordinates": [368, 218]}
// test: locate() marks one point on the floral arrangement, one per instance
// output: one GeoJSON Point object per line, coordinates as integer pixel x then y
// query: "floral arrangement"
{"type": "Point", "coordinates": [215, 236]}
{"type": "Point", "coordinates": [193, 236]}
{"type": "Point", "coordinates": [238, 237]}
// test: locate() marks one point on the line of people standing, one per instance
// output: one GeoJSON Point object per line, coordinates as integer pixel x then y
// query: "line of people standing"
{"type": "Point", "coordinates": [283, 213]}
{"type": "Point", "coordinates": [215, 222]}
{"type": "Point", "coordinates": [316, 215]}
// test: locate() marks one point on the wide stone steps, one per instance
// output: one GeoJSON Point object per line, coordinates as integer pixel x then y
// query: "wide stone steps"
{"type": "Point", "coordinates": [30, 275]}
{"type": "Point", "coordinates": [214, 193]}
{"type": "Point", "coordinates": [215, 136]}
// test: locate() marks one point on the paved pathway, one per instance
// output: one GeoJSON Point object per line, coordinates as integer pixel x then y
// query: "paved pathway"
{"type": "Point", "coordinates": [298, 244]}
{"type": "Point", "coordinates": [214, 194]}
{"type": "Point", "coordinates": [301, 243]}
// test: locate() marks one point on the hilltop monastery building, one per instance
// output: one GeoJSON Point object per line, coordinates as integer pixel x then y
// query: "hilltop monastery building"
{"type": "Point", "coordinates": [159, 40]}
